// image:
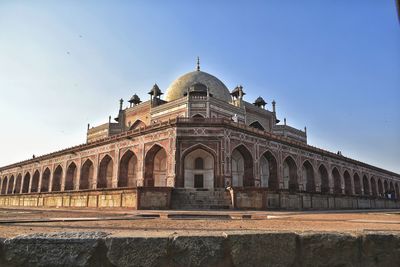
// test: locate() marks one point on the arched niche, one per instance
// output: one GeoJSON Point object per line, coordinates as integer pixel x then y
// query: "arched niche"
{"type": "Point", "coordinates": [45, 180]}
{"type": "Point", "coordinates": [70, 177]}
{"type": "Point", "coordinates": [373, 187]}
{"type": "Point", "coordinates": [56, 185]}
{"type": "Point", "coordinates": [324, 178]}
{"type": "Point", "coordinates": [35, 182]}
{"type": "Point", "coordinates": [357, 184]}
{"type": "Point", "coordinates": [290, 179]}
{"type": "Point", "coordinates": [347, 183]}
{"type": "Point", "coordinates": [308, 176]}
{"type": "Point", "coordinates": [128, 168]}
{"type": "Point", "coordinates": [156, 167]}
{"type": "Point", "coordinates": [337, 181]}
{"type": "Point", "coordinates": [366, 186]}
{"type": "Point", "coordinates": [87, 173]}
{"type": "Point", "coordinates": [269, 171]}
{"type": "Point", "coordinates": [199, 169]}
{"type": "Point", "coordinates": [242, 167]}
{"type": "Point", "coordinates": [25, 184]}
{"type": "Point", "coordinates": [106, 167]}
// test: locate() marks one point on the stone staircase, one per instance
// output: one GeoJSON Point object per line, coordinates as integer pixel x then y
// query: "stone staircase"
{"type": "Point", "coordinates": [200, 199]}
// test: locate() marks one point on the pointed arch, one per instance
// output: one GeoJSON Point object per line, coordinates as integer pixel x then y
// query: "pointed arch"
{"type": "Point", "coordinates": [308, 176]}
{"type": "Point", "coordinates": [380, 188]}
{"type": "Point", "coordinates": [366, 186]}
{"type": "Point", "coordinates": [324, 178]}
{"type": "Point", "coordinates": [198, 116]}
{"type": "Point", "coordinates": [337, 181]}
{"type": "Point", "coordinates": [137, 124]}
{"type": "Point", "coordinates": [242, 167]}
{"type": "Point", "coordinates": [290, 178]}
{"type": "Point", "coordinates": [35, 181]}
{"type": "Point", "coordinates": [373, 187]}
{"type": "Point", "coordinates": [70, 177]}
{"type": "Point", "coordinates": [10, 188]}
{"type": "Point", "coordinates": [25, 184]}
{"type": "Point", "coordinates": [56, 184]}
{"type": "Point", "coordinates": [106, 167]}
{"type": "Point", "coordinates": [45, 180]}
{"type": "Point", "coordinates": [87, 172]}
{"type": "Point", "coordinates": [385, 187]}
{"type": "Point", "coordinates": [128, 168]}
{"type": "Point", "coordinates": [397, 190]}
{"type": "Point", "coordinates": [269, 171]}
{"type": "Point", "coordinates": [199, 169]}
{"type": "Point", "coordinates": [391, 190]}
{"type": "Point", "coordinates": [156, 166]}
{"type": "Point", "coordinates": [357, 184]}
{"type": "Point", "coordinates": [4, 186]}
{"type": "Point", "coordinates": [180, 181]}
{"type": "Point", "coordinates": [347, 183]}
{"type": "Point", "coordinates": [257, 125]}
{"type": "Point", "coordinates": [18, 184]}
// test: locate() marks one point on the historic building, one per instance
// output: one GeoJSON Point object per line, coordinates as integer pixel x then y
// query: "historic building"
{"type": "Point", "coordinates": [203, 136]}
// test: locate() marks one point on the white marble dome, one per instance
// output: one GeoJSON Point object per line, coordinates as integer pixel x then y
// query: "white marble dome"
{"type": "Point", "coordinates": [179, 87]}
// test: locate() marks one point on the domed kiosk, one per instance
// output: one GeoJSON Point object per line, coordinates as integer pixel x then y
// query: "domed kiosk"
{"type": "Point", "coordinates": [179, 87]}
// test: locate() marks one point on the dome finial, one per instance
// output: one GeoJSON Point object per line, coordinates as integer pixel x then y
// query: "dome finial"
{"type": "Point", "coordinates": [198, 63]}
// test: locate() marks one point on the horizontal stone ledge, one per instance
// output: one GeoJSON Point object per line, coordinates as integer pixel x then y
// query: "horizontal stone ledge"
{"type": "Point", "coordinates": [241, 248]}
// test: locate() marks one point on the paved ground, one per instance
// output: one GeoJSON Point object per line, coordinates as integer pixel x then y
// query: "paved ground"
{"type": "Point", "coordinates": [127, 222]}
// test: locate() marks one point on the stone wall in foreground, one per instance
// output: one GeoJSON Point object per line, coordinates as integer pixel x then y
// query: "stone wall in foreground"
{"type": "Point", "coordinates": [135, 198]}
{"type": "Point", "coordinates": [225, 249]}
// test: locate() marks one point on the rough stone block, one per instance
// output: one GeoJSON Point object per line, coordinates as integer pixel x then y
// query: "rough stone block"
{"type": "Point", "coordinates": [198, 251]}
{"type": "Point", "coordinates": [60, 249]}
{"type": "Point", "coordinates": [263, 249]}
{"type": "Point", "coordinates": [137, 251]}
{"type": "Point", "coordinates": [380, 249]}
{"type": "Point", "coordinates": [328, 249]}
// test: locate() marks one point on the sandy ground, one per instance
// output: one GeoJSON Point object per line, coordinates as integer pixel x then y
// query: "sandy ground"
{"type": "Point", "coordinates": [19, 221]}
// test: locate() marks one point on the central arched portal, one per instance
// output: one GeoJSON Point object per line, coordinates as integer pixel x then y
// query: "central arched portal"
{"type": "Point", "coordinates": [199, 169]}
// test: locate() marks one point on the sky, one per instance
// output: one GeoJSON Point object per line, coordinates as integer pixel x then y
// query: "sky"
{"type": "Point", "coordinates": [333, 66]}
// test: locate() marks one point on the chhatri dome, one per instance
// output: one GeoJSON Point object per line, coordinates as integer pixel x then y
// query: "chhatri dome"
{"type": "Point", "coordinates": [179, 87]}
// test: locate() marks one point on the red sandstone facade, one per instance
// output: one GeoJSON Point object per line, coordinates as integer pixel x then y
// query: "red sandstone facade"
{"type": "Point", "coordinates": [200, 136]}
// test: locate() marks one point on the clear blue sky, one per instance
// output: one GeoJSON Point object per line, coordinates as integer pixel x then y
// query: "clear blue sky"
{"type": "Point", "coordinates": [333, 66]}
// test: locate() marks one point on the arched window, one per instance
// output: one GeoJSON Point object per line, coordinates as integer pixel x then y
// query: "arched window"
{"type": "Point", "coordinates": [199, 163]}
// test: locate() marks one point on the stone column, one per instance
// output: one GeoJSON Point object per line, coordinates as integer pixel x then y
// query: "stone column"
{"type": "Point", "coordinates": [51, 178]}
{"type": "Point", "coordinates": [353, 191]}
{"type": "Point", "coordinates": [63, 175]}
{"type": "Point", "coordinates": [300, 178]}
{"type": "Point", "coordinates": [77, 179]}
{"type": "Point", "coordinates": [93, 183]}
{"type": "Point", "coordinates": [330, 179]}
{"type": "Point", "coordinates": [369, 185]}
{"type": "Point", "coordinates": [171, 162]}
{"type": "Point", "coordinates": [317, 181]}
{"type": "Point", "coordinates": [141, 164]}
{"type": "Point", "coordinates": [8, 182]}
{"type": "Point", "coordinates": [30, 180]}
{"type": "Point", "coordinates": [114, 182]}
{"type": "Point", "coordinates": [14, 183]}
{"type": "Point", "coordinates": [40, 179]}
{"type": "Point", "coordinates": [280, 170]}
{"type": "Point", "coordinates": [362, 185]}
{"type": "Point", "coordinates": [342, 180]}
